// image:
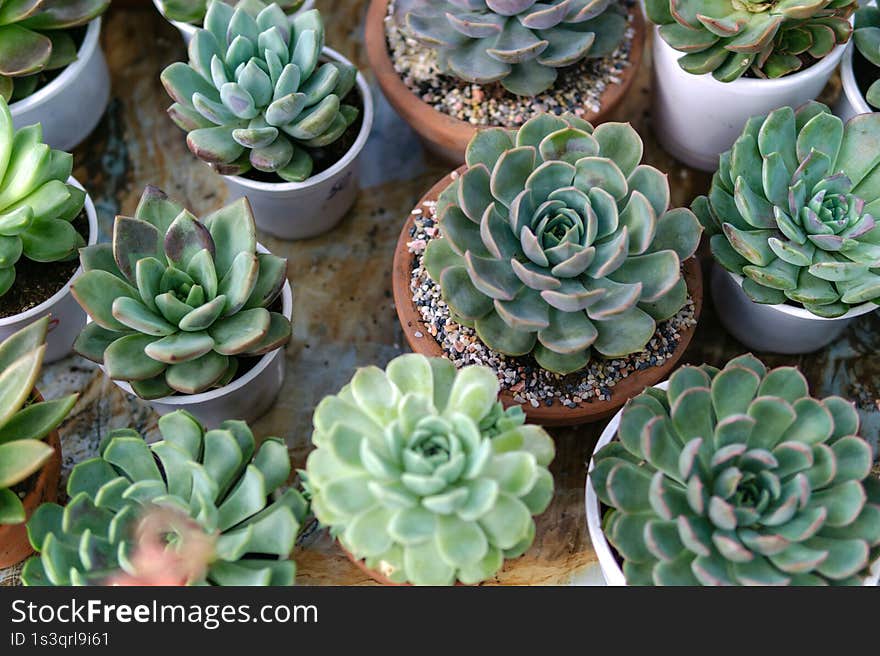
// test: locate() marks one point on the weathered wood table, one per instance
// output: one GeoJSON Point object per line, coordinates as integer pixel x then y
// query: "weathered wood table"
{"type": "Point", "coordinates": [343, 311]}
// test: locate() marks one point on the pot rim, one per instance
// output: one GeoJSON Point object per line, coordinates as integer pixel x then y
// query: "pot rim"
{"type": "Point", "coordinates": [803, 313]}
{"type": "Point", "coordinates": [189, 29]}
{"type": "Point", "coordinates": [347, 159]}
{"type": "Point", "coordinates": [185, 400]}
{"type": "Point", "coordinates": [850, 85]}
{"type": "Point", "coordinates": [68, 76]}
{"type": "Point", "coordinates": [61, 293]}
{"type": "Point", "coordinates": [822, 67]}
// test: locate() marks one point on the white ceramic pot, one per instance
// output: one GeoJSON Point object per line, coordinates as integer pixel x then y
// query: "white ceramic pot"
{"type": "Point", "coordinates": [774, 328]}
{"type": "Point", "coordinates": [696, 117]}
{"type": "Point", "coordinates": [247, 398]}
{"type": "Point", "coordinates": [72, 104]}
{"type": "Point", "coordinates": [299, 210]}
{"type": "Point", "coordinates": [67, 317]}
{"type": "Point", "coordinates": [851, 101]}
{"type": "Point", "coordinates": [611, 570]}
{"type": "Point", "coordinates": [186, 30]}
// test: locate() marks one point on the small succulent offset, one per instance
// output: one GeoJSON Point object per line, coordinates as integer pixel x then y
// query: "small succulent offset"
{"type": "Point", "coordinates": [792, 206]}
{"type": "Point", "coordinates": [519, 43]}
{"type": "Point", "coordinates": [420, 472]}
{"type": "Point", "coordinates": [37, 204]}
{"type": "Point", "coordinates": [193, 11]}
{"type": "Point", "coordinates": [175, 302]}
{"type": "Point", "coordinates": [218, 478]}
{"type": "Point", "coordinates": [768, 39]}
{"type": "Point", "coordinates": [253, 94]}
{"type": "Point", "coordinates": [867, 38]}
{"type": "Point", "coordinates": [556, 241]}
{"type": "Point", "coordinates": [739, 477]}
{"type": "Point", "coordinates": [24, 423]}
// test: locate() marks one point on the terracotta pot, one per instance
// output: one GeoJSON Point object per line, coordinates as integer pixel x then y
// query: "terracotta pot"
{"type": "Point", "coordinates": [444, 135]}
{"type": "Point", "coordinates": [557, 414]}
{"type": "Point", "coordinates": [14, 543]}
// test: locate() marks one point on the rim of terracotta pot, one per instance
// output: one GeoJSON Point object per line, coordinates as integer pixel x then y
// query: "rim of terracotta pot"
{"type": "Point", "coordinates": [189, 29]}
{"type": "Point", "coordinates": [803, 313]}
{"type": "Point", "coordinates": [557, 414]}
{"type": "Point", "coordinates": [850, 85]}
{"type": "Point", "coordinates": [451, 133]}
{"type": "Point", "coordinates": [350, 155]}
{"type": "Point", "coordinates": [15, 544]}
{"type": "Point", "coordinates": [43, 307]}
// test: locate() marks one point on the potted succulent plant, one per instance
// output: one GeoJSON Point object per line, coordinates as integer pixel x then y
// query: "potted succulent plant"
{"type": "Point", "coordinates": [734, 477]}
{"type": "Point", "coordinates": [30, 450]}
{"type": "Point", "coordinates": [188, 15]}
{"type": "Point", "coordinates": [52, 66]}
{"type": "Point", "coordinates": [423, 477]}
{"type": "Point", "coordinates": [284, 122]}
{"type": "Point", "coordinates": [225, 491]}
{"type": "Point", "coordinates": [718, 63]}
{"type": "Point", "coordinates": [187, 314]}
{"type": "Point", "coordinates": [858, 70]}
{"type": "Point", "coordinates": [791, 213]}
{"type": "Point", "coordinates": [554, 257]}
{"type": "Point", "coordinates": [451, 67]}
{"type": "Point", "coordinates": [45, 216]}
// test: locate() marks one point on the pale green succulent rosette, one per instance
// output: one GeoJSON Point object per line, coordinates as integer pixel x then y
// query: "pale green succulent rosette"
{"type": "Point", "coordinates": [37, 204]}
{"type": "Point", "coordinates": [557, 242]}
{"type": "Point", "coordinates": [519, 43]}
{"type": "Point", "coordinates": [24, 423]}
{"type": "Point", "coordinates": [255, 95]}
{"type": "Point", "coordinates": [420, 472]}
{"type": "Point", "coordinates": [792, 209]}
{"type": "Point", "coordinates": [767, 39]}
{"type": "Point", "coordinates": [193, 11]}
{"type": "Point", "coordinates": [35, 38]}
{"type": "Point", "coordinates": [176, 302]}
{"type": "Point", "coordinates": [219, 478]}
{"type": "Point", "coordinates": [739, 477]}
{"type": "Point", "coordinates": [867, 40]}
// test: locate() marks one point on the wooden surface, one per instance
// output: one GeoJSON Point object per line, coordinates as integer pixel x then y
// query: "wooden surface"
{"type": "Point", "coordinates": [343, 310]}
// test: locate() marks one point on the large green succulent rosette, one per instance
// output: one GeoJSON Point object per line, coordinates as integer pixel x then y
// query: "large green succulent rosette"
{"type": "Point", "coordinates": [557, 242]}
{"type": "Point", "coordinates": [193, 11]}
{"type": "Point", "coordinates": [419, 471]}
{"type": "Point", "coordinates": [792, 207]}
{"type": "Point", "coordinates": [739, 477]}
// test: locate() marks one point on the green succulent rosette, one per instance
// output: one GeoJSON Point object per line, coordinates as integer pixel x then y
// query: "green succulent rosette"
{"type": "Point", "coordinates": [867, 40]}
{"type": "Point", "coordinates": [193, 11]}
{"type": "Point", "coordinates": [792, 206]}
{"type": "Point", "coordinates": [255, 94]}
{"type": "Point", "coordinates": [219, 478]}
{"type": "Point", "coordinates": [419, 471]}
{"type": "Point", "coordinates": [176, 302]}
{"type": "Point", "coordinates": [769, 39]}
{"type": "Point", "coordinates": [557, 242]}
{"type": "Point", "coordinates": [739, 477]}
{"type": "Point", "coordinates": [520, 43]}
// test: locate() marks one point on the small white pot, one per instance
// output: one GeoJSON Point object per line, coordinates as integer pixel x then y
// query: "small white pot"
{"type": "Point", "coordinates": [246, 398]}
{"type": "Point", "coordinates": [696, 117]}
{"type": "Point", "coordinates": [72, 104]}
{"type": "Point", "coordinates": [611, 570]}
{"type": "Point", "coordinates": [299, 210]}
{"type": "Point", "coordinates": [851, 101]}
{"type": "Point", "coordinates": [186, 30]}
{"type": "Point", "coordinates": [67, 317]}
{"type": "Point", "coordinates": [774, 328]}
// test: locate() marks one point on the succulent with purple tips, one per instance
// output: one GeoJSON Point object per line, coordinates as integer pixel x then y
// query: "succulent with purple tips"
{"type": "Point", "coordinates": [175, 302]}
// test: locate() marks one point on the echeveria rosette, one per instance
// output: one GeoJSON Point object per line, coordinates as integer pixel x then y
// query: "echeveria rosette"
{"type": "Point", "coordinates": [255, 95]}
{"type": "Point", "coordinates": [557, 241]}
{"type": "Point", "coordinates": [175, 302]}
{"type": "Point", "coordinates": [771, 39]}
{"type": "Point", "coordinates": [24, 422]}
{"type": "Point", "coordinates": [867, 40]}
{"type": "Point", "coordinates": [219, 478]}
{"type": "Point", "coordinates": [35, 37]}
{"type": "Point", "coordinates": [519, 43]}
{"type": "Point", "coordinates": [193, 11]}
{"type": "Point", "coordinates": [793, 204]}
{"type": "Point", "coordinates": [420, 472]}
{"type": "Point", "coordinates": [739, 477]}
{"type": "Point", "coordinates": [37, 204]}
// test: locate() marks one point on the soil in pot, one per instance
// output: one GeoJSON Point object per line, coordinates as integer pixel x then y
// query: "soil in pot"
{"type": "Point", "coordinates": [37, 282]}
{"type": "Point", "coordinates": [29, 85]}
{"type": "Point", "coordinates": [864, 71]}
